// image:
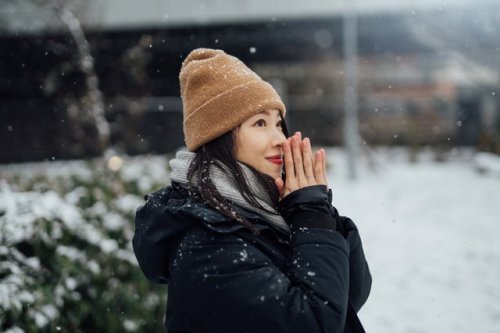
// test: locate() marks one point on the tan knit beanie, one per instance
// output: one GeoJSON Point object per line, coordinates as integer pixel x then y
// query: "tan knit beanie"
{"type": "Point", "coordinates": [218, 93]}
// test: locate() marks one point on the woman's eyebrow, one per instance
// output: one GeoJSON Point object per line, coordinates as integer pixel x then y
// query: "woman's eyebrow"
{"type": "Point", "coordinates": [266, 113]}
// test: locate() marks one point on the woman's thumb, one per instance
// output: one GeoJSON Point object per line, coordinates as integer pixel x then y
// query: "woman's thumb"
{"type": "Point", "coordinates": [280, 184]}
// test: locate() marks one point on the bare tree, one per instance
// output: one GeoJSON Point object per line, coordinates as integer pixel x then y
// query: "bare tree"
{"type": "Point", "coordinates": [93, 103]}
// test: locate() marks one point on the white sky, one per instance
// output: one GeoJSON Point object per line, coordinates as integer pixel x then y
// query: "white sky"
{"type": "Point", "coordinates": [23, 15]}
{"type": "Point", "coordinates": [165, 12]}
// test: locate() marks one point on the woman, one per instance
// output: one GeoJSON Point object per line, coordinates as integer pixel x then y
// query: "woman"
{"type": "Point", "coordinates": [242, 248]}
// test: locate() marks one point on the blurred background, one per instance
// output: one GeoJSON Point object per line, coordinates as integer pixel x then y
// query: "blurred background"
{"type": "Point", "coordinates": [405, 95]}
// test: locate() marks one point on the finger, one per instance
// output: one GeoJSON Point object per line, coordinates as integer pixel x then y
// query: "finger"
{"type": "Point", "coordinates": [289, 167]}
{"type": "Point", "coordinates": [307, 160]}
{"type": "Point", "coordinates": [313, 161]}
{"type": "Point", "coordinates": [318, 167]}
{"type": "Point", "coordinates": [280, 185]}
{"type": "Point", "coordinates": [324, 167]}
{"type": "Point", "coordinates": [297, 161]}
{"type": "Point", "coordinates": [321, 172]}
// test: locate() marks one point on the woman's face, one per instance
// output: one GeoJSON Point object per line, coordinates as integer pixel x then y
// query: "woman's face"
{"type": "Point", "coordinates": [258, 142]}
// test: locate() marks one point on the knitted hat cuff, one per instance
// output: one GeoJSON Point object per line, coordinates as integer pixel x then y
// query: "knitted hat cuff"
{"type": "Point", "coordinates": [211, 119]}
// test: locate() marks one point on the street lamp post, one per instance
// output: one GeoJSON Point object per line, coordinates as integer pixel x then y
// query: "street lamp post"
{"type": "Point", "coordinates": [351, 126]}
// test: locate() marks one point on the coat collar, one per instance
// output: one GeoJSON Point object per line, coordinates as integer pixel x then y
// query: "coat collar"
{"type": "Point", "coordinates": [215, 220]}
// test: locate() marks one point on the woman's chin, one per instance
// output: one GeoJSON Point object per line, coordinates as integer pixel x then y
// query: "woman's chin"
{"type": "Point", "coordinates": [271, 172]}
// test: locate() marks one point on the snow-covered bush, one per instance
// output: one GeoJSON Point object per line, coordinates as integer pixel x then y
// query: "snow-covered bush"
{"type": "Point", "coordinates": [66, 261]}
{"type": "Point", "coordinates": [487, 163]}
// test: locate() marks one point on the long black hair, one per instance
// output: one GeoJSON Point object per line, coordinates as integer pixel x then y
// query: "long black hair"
{"type": "Point", "coordinates": [221, 152]}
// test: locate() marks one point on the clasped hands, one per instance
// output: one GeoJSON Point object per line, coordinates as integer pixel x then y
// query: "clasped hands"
{"type": "Point", "coordinates": [302, 167]}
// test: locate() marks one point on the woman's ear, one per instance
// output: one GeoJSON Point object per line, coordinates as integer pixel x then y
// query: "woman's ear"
{"type": "Point", "coordinates": [236, 131]}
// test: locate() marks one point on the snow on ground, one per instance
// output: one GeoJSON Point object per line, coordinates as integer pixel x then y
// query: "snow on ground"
{"type": "Point", "coordinates": [431, 235]}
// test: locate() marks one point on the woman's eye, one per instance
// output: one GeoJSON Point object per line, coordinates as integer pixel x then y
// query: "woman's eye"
{"type": "Point", "coordinates": [261, 123]}
{"type": "Point", "coordinates": [279, 124]}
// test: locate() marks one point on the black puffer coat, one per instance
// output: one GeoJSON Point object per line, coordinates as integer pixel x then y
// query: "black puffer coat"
{"type": "Point", "coordinates": [224, 279]}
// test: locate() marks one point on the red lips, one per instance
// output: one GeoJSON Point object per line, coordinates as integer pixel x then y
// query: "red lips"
{"type": "Point", "coordinates": [277, 159]}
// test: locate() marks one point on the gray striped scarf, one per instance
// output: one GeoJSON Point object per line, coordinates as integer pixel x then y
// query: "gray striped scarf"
{"type": "Point", "coordinates": [223, 184]}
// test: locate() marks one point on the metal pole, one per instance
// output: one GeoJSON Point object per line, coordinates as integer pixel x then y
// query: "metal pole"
{"type": "Point", "coordinates": [351, 127]}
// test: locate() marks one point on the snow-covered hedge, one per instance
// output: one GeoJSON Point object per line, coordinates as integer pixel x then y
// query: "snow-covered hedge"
{"type": "Point", "coordinates": [66, 261]}
{"type": "Point", "coordinates": [487, 163]}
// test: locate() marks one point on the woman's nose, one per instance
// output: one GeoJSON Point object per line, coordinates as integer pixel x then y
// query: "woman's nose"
{"type": "Point", "coordinates": [279, 138]}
